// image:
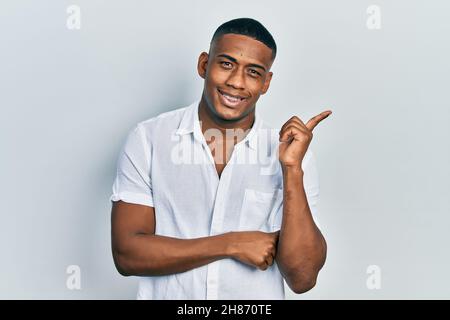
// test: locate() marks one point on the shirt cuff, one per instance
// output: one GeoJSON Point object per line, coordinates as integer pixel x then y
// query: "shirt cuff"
{"type": "Point", "coordinates": [131, 197]}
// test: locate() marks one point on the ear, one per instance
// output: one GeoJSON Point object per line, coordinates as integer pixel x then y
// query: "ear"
{"type": "Point", "coordinates": [267, 83]}
{"type": "Point", "coordinates": [202, 64]}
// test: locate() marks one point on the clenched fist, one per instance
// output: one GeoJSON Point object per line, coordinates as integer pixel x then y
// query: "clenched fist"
{"type": "Point", "coordinates": [254, 248]}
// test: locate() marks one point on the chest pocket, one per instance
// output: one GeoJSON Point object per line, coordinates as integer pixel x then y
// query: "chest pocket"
{"type": "Point", "coordinates": [259, 209]}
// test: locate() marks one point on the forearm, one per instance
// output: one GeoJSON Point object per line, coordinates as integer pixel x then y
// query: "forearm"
{"type": "Point", "coordinates": [301, 247]}
{"type": "Point", "coordinates": [153, 255]}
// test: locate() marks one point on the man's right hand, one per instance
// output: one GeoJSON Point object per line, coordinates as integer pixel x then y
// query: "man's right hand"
{"type": "Point", "coordinates": [254, 248]}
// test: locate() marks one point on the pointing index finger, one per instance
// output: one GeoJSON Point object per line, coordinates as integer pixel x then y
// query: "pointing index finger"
{"type": "Point", "coordinates": [314, 121]}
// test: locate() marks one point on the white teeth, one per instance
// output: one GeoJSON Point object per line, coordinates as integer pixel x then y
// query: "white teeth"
{"type": "Point", "coordinates": [233, 99]}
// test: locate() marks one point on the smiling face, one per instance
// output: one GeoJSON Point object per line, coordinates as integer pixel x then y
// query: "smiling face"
{"type": "Point", "coordinates": [236, 73]}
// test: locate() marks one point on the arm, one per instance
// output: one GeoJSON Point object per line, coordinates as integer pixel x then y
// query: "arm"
{"type": "Point", "coordinates": [138, 251]}
{"type": "Point", "coordinates": [301, 248]}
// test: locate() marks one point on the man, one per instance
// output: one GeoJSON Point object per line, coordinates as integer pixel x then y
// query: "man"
{"type": "Point", "coordinates": [193, 215]}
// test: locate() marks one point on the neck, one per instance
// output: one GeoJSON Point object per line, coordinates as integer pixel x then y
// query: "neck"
{"type": "Point", "coordinates": [211, 121]}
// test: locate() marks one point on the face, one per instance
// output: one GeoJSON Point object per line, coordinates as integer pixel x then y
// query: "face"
{"type": "Point", "coordinates": [236, 73]}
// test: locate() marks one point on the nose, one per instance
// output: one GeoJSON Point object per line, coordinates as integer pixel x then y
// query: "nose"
{"type": "Point", "coordinates": [236, 79]}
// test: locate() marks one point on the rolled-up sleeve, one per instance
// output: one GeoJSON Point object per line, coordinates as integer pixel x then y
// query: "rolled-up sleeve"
{"type": "Point", "coordinates": [133, 180]}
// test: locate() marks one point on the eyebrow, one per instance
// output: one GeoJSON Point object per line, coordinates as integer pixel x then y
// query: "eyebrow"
{"type": "Point", "coordinates": [235, 60]}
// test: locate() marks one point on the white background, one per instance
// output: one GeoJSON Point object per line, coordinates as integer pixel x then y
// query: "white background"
{"type": "Point", "coordinates": [69, 97]}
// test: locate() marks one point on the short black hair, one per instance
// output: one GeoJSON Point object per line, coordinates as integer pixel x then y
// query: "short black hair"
{"type": "Point", "coordinates": [247, 27]}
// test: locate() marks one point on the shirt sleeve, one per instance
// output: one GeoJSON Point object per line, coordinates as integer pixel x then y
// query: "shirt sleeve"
{"type": "Point", "coordinates": [133, 181]}
{"type": "Point", "coordinates": [311, 186]}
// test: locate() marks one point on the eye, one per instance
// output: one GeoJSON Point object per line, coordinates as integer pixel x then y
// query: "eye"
{"type": "Point", "coordinates": [254, 73]}
{"type": "Point", "coordinates": [226, 64]}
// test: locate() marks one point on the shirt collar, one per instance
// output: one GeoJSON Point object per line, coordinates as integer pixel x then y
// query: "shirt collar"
{"type": "Point", "coordinates": [190, 123]}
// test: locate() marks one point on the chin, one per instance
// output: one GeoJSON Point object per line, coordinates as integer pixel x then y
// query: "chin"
{"type": "Point", "coordinates": [227, 113]}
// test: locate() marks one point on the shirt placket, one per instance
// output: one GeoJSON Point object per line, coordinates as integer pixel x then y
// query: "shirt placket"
{"type": "Point", "coordinates": [217, 221]}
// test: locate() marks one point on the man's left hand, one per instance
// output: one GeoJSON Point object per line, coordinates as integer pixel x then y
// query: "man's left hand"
{"type": "Point", "coordinates": [295, 137]}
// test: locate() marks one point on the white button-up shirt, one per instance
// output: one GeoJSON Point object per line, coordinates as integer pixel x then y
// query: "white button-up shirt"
{"type": "Point", "coordinates": [166, 163]}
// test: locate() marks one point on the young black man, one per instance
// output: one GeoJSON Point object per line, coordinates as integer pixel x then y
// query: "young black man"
{"type": "Point", "coordinates": [208, 203]}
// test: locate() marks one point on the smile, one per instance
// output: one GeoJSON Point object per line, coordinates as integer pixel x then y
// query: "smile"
{"type": "Point", "coordinates": [230, 100]}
